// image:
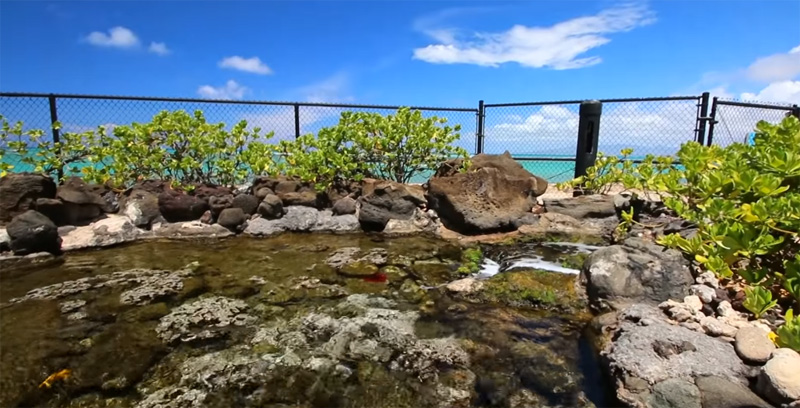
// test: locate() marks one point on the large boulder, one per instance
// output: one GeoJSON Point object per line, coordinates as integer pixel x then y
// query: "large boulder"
{"type": "Point", "coordinates": [248, 203]}
{"type": "Point", "coordinates": [502, 162]}
{"type": "Point", "coordinates": [587, 206]}
{"type": "Point", "coordinates": [52, 208]}
{"type": "Point", "coordinates": [141, 207]}
{"type": "Point", "coordinates": [655, 363]}
{"type": "Point", "coordinates": [384, 200]}
{"type": "Point", "coordinates": [32, 232]}
{"type": "Point", "coordinates": [232, 218]}
{"type": "Point", "coordinates": [271, 207]}
{"type": "Point", "coordinates": [83, 203]}
{"type": "Point", "coordinates": [779, 380]}
{"type": "Point", "coordinates": [112, 230]}
{"type": "Point", "coordinates": [636, 271]}
{"type": "Point", "coordinates": [484, 200]}
{"type": "Point", "coordinates": [178, 206]}
{"type": "Point", "coordinates": [19, 191]}
{"type": "Point", "coordinates": [217, 197]}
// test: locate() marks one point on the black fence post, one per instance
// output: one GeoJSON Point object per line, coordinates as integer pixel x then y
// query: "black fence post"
{"type": "Point", "coordinates": [296, 121]}
{"type": "Point", "coordinates": [588, 132]}
{"type": "Point", "coordinates": [56, 132]}
{"type": "Point", "coordinates": [796, 111]}
{"type": "Point", "coordinates": [479, 130]}
{"type": "Point", "coordinates": [712, 122]}
{"type": "Point", "coordinates": [702, 118]}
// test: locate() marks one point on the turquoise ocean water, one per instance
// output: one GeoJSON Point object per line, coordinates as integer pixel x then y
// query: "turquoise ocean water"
{"type": "Point", "coordinates": [553, 171]}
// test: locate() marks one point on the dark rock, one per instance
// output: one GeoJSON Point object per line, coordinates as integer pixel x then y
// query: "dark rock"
{"type": "Point", "coordinates": [717, 392]}
{"type": "Point", "coordinates": [152, 186]}
{"type": "Point", "coordinates": [637, 271]}
{"type": "Point", "coordinates": [232, 218]}
{"type": "Point", "coordinates": [449, 168]}
{"type": "Point", "coordinates": [19, 191]}
{"type": "Point", "coordinates": [263, 192]}
{"type": "Point", "coordinates": [5, 240]}
{"type": "Point", "coordinates": [83, 203]}
{"type": "Point", "coordinates": [219, 203]}
{"type": "Point", "coordinates": [343, 206]}
{"type": "Point", "coordinates": [383, 200]}
{"type": "Point", "coordinates": [141, 207]}
{"type": "Point", "coordinates": [337, 191]}
{"type": "Point", "coordinates": [178, 206]}
{"type": "Point", "coordinates": [247, 202]}
{"type": "Point", "coordinates": [32, 232]}
{"type": "Point", "coordinates": [271, 207]}
{"type": "Point", "coordinates": [264, 182]}
{"type": "Point", "coordinates": [287, 186]}
{"type": "Point", "coordinates": [305, 198]}
{"type": "Point", "coordinates": [206, 191]}
{"type": "Point", "coordinates": [587, 206]}
{"type": "Point", "coordinates": [53, 209]}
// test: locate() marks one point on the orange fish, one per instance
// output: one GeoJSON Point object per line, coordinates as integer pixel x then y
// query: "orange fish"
{"type": "Point", "coordinates": [61, 375]}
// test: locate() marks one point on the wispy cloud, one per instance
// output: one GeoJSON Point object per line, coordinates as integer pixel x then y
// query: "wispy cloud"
{"type": "Point", "coordinates": [159, 48]}
{"type": "Point", "coordinates": [781, 91]}
{"type": "Point", "coordinates": [776, 67]}
{"type": "Point", "coordinates": [329, 90]}
{"type": "Point", "coordinates": [231, 90]}
{"type": "Point", "coordinates": [117, 37]}
{"type": "Point", "coordinates": [253, 65]}
{"type": "Point", "coordinates": [558, 47]}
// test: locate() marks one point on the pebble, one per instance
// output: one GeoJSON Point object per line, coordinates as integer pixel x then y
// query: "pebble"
{"type": "Point", "coordinates": [707, 278]}
{"type": "Point", "coordinates": [706, 293]}
{"type": "Point", "coordinates": [779, 380]}
{"type": "Point", "coordinates": [753, 345]}
{"type": "Point", "coordinates": [717, 328]}
{"type": "Point", "coordinates": [725, 309]}
{"type": "Point", "coordinates": [694, 302]}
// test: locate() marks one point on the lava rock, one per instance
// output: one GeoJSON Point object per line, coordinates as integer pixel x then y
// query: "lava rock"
{"type": "Point", "coordinates": [141, 207]}
{"type": "Point", "coordinates": [344, 206]}
{"type": "Point", "coordinates": [384, 200]}
{"type": "Point", "coordinates": [32, 232]}
{"type": "Point", "coordinates": [587, 206]}
{"type": "Point", "coordinates": [271, 207]}
{"type": "Point", "coordinates": [232, 219]}
{"type": "Point", "coordinates": [219, 203]}
{"type": "Point", "coordinates": [53, 209]}
{"type": "Point", "coordinates": [248, 203]}
{"type": "Point", "coordinates": [178, 206]}
{"type": "Point", "coordinates": [19, 192]}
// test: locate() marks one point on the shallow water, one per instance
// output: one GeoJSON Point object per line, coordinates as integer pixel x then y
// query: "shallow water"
{"type": "Point", "coordinates": [517, 357]}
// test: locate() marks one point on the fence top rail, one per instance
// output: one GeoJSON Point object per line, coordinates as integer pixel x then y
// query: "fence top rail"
{"type": "Point", "coordinates": [227, 101]}
{"type": "Point", "coordinates": [614, 100]}
{"type": "Point", "coordinates": [786, 107]}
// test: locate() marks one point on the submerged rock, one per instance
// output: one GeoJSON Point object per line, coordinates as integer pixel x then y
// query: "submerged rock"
{"type": "Point", "coordinates": [206, 318]}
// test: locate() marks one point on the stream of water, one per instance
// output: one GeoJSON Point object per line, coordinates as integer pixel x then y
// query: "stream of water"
{"type": "Point", "coordinates": [301, 332]}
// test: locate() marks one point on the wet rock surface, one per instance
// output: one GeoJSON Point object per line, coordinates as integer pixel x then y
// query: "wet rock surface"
{"type": "Point", "coordinates": [274, 322]}
{"type": "Point", "coordinates": [32, 232]}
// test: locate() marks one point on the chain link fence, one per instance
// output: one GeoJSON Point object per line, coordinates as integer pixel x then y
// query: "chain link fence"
{"type": "Point", "coordinates": [542, 135]}
{"type": "Point", "coordinates": [735, 121]}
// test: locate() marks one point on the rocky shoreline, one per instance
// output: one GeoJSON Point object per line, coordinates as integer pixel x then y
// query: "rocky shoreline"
{"type": "Point", "coordinates": [668, 335]}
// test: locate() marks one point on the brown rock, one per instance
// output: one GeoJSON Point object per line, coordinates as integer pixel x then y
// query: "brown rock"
{"type": "Point", "coordinates": [19, 191]}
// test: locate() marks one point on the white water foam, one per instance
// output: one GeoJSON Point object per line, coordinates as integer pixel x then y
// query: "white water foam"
{"type": "Point", "coordinates": [541, 264]}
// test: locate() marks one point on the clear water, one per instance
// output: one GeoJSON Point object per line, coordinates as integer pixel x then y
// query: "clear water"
{"type": "Point", "coordinates": [520, 357]}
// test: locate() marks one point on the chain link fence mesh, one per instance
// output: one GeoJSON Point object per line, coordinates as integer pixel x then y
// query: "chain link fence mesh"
{"type": "Point", "coordinates": [736, 121]}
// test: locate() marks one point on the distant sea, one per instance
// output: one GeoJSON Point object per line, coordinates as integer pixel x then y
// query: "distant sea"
{"type": "Point", "coordinates": [553, 171]}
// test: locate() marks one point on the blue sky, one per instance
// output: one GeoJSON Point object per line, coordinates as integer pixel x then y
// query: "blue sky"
{"type": "Point", "coordinates": [427, 53]}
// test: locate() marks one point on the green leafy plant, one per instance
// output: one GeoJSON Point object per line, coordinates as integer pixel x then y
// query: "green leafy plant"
{"type": "Point", "coordinates": [365, 144]}
{"type": "Point", "coordinates": [788, 335]}
{"type": "Point", "coordinates": [37, 152]}
{"type": "Point", "coordinates": [181, 148]}
{"type": "Point", "coordinates": [758, 300]}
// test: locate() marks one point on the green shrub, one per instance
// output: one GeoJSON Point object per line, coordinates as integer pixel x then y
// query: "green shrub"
{"type": "Point", "coordinates": [788, 335]}
{"type": "Point", "coordinates": [364, 144]}
{"type": "Point", "coordinates": [36, 150]}
{"type": "Point", "coordinates": [181, 148]}
{"type": "Point", "coordinates": [758, 300]}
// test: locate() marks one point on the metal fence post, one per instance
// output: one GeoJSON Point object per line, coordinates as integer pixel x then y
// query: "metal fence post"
{"type": "Point", "coordinates": [588, 132]}
{"type": "Point", "coordinates": [702, 118]}
{"type": "Point", "coordinates": [713, 121]}
{"type": "Point", "coordinates": [479, 130]}
{"type": "Point", "coordinates": [56, 135]}
{"type": "Point", "coordinates": [296, 121]}
{"type": "Point", "coordinates": [796, 111]}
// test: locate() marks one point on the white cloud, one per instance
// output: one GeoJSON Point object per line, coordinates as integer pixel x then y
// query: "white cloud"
{"type": "Point", "coordinates": [782, 91]}
{"type": "Point", "coordinates": [119, 37]}
{"type": "Point", "coordinates": [777, 67]}
{"type": "Point", "coordinates": [558, 46]}
{"type": "Point", "coordinates": [648, 127]}
{"type": "Point", "coordinates": [159, 48]}
{"type": "Point", "coordinates": [329, 90]}
{"type": "Point", "coordinates": [231, 90]}
{"type": "Point", "coordinates": [252, 65]}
